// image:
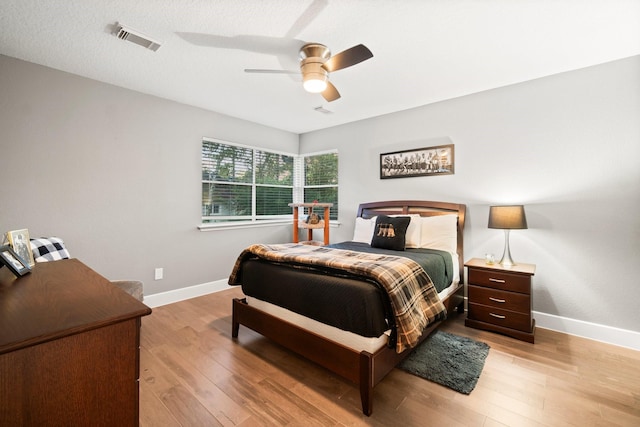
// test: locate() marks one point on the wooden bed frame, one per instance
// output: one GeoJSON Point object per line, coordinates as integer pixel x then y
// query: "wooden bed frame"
{"type": "Point", "coordinates": [363, 368]}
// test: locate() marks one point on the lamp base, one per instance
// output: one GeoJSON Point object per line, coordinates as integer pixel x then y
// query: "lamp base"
{"type": "Point", "coordinates": [506, 260]}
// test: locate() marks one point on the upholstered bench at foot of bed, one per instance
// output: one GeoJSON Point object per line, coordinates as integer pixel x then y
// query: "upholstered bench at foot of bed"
{"type": "Point", "coordinates": [132, 287]}
{"type": "Point", "coordinates": [46, 249]}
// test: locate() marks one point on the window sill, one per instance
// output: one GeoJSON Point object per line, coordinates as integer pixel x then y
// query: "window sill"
{"type": "Point", "coordinates": [251, 224]}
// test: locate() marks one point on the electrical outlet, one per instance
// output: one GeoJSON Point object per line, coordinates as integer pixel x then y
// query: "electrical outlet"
{"type": "Point", "coordinates": [159, 273]}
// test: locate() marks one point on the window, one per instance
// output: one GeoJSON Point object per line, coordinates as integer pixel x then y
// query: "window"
{"type": "Point", "coordinates": [241, 184]}
{"type": "Point", "coordinates": [244, 184]}
{"type": "Point", "coordinates": [321, 180]}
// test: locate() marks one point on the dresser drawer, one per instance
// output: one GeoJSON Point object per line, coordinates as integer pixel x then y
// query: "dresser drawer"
{"type": "Point", "coordinates": [504, 300]}
{"type": "Point", "coordinates": [500, 280]}
{"type": "Point", "coordinates": [504, 318]}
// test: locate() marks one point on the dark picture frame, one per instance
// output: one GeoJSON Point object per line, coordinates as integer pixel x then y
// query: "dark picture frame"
{"type": "Point", "coordinates": [13, 261]}
{"type": "Point", "coordinates": [428, 161]}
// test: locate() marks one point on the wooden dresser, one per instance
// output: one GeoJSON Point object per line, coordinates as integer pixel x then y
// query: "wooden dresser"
{"type": "Point", "coordinates": [69, 348]}
{"type": "Point", "coordinates": [499, 298]}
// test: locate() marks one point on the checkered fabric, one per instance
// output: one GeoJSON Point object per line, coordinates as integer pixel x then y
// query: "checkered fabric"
{"type": "Point", "coordinates": [48, 249]}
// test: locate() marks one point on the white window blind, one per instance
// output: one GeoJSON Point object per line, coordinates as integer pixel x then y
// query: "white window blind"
{"type": "Point", "coordinates": [321, 180]}
{"type": "Point", "coordinates": [274, 183]}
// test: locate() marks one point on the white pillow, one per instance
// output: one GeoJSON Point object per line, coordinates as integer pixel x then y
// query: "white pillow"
{"type": "Point", "coordinates": [412, 236]}
{"type": "Point", "coordinates": [439, 232]}
{"type": "Point", "coordinates": [364, 229]}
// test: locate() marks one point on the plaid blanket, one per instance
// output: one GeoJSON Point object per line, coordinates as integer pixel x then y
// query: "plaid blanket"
{"type": "Point", "coordinates": [414, 301]}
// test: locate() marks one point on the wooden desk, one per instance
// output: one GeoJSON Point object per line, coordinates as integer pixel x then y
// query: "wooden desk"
{"type": "Point", "coordinates": [69, 348]}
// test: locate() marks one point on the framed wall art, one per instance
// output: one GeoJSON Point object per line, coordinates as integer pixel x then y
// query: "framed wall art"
{"type": "Point", "coordinates": [428, 161]}
{"type": "Point", "coordinates": [20, 242]}
{"type": "Point", "coordinates": [13, 261]}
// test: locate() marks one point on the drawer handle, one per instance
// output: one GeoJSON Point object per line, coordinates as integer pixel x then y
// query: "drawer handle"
{"type": "Point", "coordinates": [491, 279]}
{"type": "Point", "coordinates": [499, 316]}
{"type": "Point", "coordinates": [501, 301]}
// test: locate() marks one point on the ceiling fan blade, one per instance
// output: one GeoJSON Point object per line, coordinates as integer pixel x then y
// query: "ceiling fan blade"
{"type": "Point", "coordinates": [281, 48]}
{"type": "Point", "coordinates": [330, 93]}
{"type": "Point", "coordinates": [307, 17]}
{"type": "Point", "coordinates": [261, 71]}
{"type": "Point", "coordinates": [347, 58]}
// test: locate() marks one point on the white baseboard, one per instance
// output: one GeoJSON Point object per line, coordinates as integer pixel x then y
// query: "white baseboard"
{"type": "Point", "coordinates": [594, 331]}
{"type": "Point", "coordinates": [163, 298]}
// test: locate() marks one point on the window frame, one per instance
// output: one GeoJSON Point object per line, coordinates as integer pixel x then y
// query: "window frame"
{"type": "Point", "coordinates": [302, 175]}
{"type": "Point", "coordinates": [255, 220]}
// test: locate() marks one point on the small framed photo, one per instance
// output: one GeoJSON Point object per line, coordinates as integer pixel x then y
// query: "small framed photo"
{"type": "Point", "coordinates": [20, 242]}
{"type": "Point", "coordinates": [13, 261]}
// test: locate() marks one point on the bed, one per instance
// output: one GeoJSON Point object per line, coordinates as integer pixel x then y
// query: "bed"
{"type": "Point", "coordinates": [347, 341]}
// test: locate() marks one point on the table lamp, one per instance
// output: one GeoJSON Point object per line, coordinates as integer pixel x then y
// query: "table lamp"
{"type": "Point", "coordinates": [507, 218]}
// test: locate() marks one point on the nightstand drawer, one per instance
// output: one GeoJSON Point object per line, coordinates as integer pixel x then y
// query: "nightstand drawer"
{"type": "Point", "coordinates": [496, 316]}
{"type": "Point", "coordinates": [500, 280]}
{"type": "Point", "coordinates": [504, 300]}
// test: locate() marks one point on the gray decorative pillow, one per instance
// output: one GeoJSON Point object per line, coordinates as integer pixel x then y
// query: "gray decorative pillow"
{"type": "Point", "coordinates": [390, 232]}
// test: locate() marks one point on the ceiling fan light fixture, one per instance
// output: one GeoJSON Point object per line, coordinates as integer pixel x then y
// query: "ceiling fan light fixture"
{"type": "Point", "coordinates": [314, 77]}
{"type": "Point", "coordinates": [314, 83]}
{"type": "Point", "coordinates": [316, 63]}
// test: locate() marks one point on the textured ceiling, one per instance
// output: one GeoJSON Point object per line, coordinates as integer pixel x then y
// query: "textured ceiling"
{"type": "Point", "coordinates": [424, 50]}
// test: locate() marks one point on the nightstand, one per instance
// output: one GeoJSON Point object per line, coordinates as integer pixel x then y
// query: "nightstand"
{"type": "Point", "coordinates": [323, 224]}
{"type": "Point", "coordinates": [499, 298]}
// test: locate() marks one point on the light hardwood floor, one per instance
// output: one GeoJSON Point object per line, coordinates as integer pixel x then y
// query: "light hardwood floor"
{"type": "Point", "coordinates": [193, 374]}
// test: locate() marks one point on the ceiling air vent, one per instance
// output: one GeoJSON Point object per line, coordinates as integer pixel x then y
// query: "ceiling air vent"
{"type": "Point", "coordinates": [133, 36]}
{"type": "Point", "coordinates": [323, 110]}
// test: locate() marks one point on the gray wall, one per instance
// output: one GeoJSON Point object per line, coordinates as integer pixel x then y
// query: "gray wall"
{"type": "Point", "coordinates": [116, 174]}
{"type": "Point", "coordinates": [565, 146]}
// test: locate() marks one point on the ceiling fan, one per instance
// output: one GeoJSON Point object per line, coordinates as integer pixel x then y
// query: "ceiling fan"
{"type": "Point", "coordinates": [316, 63]}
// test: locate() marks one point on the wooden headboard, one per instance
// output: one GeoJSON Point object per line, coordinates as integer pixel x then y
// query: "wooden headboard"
{"type": "Point", "coordinates": [424, 208]}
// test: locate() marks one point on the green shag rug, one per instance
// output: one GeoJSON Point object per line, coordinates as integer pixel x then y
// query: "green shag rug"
{"type": "Point", "coordinates": [451, 360]}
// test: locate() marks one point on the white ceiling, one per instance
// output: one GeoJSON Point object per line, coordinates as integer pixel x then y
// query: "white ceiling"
{"type": "Point", "coordinates": [424, 50]}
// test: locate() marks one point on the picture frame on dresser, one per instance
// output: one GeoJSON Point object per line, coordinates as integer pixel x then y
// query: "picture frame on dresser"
{"type": "Point", "coordinates": [21, 244]}
{"type": "Point", "coordinates": [13, 261]}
